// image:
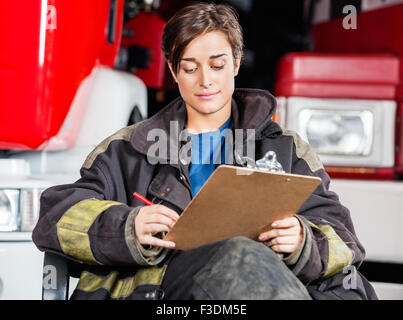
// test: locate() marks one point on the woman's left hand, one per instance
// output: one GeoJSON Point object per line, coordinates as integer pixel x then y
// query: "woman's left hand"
{"type": "Point", "coordinates": [285, 237]}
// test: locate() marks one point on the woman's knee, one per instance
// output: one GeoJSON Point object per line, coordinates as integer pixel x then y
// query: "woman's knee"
{"type": "Point", "coordinates": [242, 267]}
{"type": "Point", "coordinates": [245, 247]}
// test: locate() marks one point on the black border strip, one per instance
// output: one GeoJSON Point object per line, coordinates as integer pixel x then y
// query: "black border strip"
{"type": "Point", "coordinates": [382, 271]}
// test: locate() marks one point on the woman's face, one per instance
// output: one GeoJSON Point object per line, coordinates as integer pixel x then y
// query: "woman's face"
{"type": "Point", "coordinates": [206, 73]}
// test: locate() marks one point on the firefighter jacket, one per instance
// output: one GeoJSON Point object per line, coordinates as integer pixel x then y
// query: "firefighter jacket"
{"type": "Point", "coordinates": [91, 221]}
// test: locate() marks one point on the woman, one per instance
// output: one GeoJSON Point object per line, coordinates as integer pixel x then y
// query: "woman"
{"type": "Point", "coordinates": [97, 221]}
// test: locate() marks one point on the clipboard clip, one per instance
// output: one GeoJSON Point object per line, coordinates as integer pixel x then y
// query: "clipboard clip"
{"type": "Point", "coordinates": [267, 163]}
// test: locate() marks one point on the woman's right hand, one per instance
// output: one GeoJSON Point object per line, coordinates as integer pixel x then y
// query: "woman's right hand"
{"type": "Point", "coordinates": [151, 220]}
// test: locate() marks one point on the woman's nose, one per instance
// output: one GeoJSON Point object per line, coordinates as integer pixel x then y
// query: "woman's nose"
{"type": "Point", "coordinates": [205, 78]}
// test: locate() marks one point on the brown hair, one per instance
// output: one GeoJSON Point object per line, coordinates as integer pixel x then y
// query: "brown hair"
{"type": "Point", "coordinates": [195, 20]}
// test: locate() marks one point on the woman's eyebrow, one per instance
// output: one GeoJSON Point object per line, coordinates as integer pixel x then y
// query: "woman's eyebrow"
{"type": "Point", "coordinates": [211, 57]}
{"type": "Point", "coordinates": [218, 56]}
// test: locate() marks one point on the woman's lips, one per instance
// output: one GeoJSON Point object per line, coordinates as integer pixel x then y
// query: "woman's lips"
{"type": "Point", "coordinates": [207, 96]}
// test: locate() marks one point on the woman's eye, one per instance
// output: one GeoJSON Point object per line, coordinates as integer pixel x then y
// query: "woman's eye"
{"type": "Point", "coordinates": [190, 70]}
{"type": "Point", "coordinates": [217, 67]}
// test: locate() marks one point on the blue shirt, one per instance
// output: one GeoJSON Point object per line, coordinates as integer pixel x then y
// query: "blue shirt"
{"type": "Point", "coordinates": [208, 152]}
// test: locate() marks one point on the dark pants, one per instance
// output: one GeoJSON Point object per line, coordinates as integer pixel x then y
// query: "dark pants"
{"type": "Point", "coordinates": [234, 269]}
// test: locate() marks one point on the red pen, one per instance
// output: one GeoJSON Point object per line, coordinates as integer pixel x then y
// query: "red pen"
{"type": "Point", "coordinates": [145, 200]}
{"type": "Point", "coordinates": [141, 198]}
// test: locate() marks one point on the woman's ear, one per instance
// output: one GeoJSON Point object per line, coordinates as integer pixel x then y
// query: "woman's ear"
{"type": "Point", "coordinates": [237, 64]}
{"type": "Point", "coordinates": [172, 72]}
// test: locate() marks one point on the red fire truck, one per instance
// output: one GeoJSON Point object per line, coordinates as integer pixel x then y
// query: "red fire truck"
{"type": "Point", "coordinates": [60, 96]}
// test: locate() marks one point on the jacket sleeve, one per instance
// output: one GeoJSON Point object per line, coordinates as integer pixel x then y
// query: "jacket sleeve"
{"type": "Point", "coordinates": [330, 240]}
{"type": "Point", "coordinates": [86, 221]}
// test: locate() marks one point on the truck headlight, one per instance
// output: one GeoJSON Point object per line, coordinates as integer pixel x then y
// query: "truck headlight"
{"type": "Point", "coordinates": [9, 209]}
{"type": "Point", "coordinates": [338, 132]}
{"type": "Point", "coordinates": [346, 132]}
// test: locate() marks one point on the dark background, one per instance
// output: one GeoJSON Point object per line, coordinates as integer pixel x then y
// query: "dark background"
{"type": "Point", "coordinates": [271, 29]}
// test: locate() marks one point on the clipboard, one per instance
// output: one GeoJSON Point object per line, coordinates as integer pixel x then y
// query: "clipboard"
{"type": "Point", "coordinates": [238, 201]}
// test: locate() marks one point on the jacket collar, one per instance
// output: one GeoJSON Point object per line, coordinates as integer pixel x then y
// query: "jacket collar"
{"type": "Point", "coordinates": [250, 109]}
